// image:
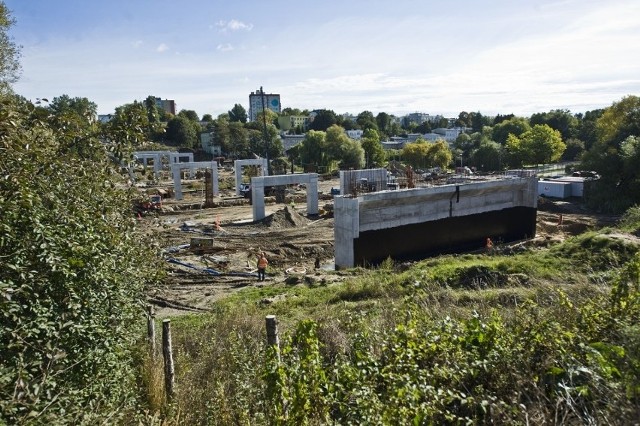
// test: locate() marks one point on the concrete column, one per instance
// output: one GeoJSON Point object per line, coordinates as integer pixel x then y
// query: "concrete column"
{"type": "Point", "coordinates": [177, 182]}
{"type": "Point", "coordinates": [214, 178]}
{"type": "Point", "coordinates": [238, 168]}
{"type": "Point", "coordinates": [346, 226]}
{"type": "Point", "coordinates": [157, 163]}
{"type": "Point", "coordinates": [312, 194]}
{"type": "Point", "coordinates": [257, 198]}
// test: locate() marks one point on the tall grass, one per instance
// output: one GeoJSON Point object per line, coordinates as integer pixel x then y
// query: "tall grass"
{"type": "Point", "coordinates": [543, 336]}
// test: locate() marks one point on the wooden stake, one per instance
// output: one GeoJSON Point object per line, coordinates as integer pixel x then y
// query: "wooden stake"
{"type": "Point", "coordinates": [167, 351]}
{"type": "Point", "coordinates": [151, 330]}
{"type": "Point", "coordinates": [272, 333]}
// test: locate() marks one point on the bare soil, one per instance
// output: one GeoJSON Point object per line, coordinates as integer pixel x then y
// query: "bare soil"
{"type": "Point", "coordinates": [212, 252]}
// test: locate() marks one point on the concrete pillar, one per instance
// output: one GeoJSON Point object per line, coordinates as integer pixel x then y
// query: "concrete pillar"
{"type": "Point", "coordinates": [257, 198]}
{"type": "Point", "coordinates": [312, 194]}
{"type": "Point", "coordinates": [177, 182]}
{"type": "Point", "coordinates": [346, 229]}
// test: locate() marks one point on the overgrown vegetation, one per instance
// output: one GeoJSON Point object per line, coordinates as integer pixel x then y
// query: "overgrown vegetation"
{"type": "Point", "coordinates": [73, 274]}
{"type": "Point", "coordinates": [547, 335]}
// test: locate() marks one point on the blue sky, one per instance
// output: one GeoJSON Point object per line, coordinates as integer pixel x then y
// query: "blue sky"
{"type": "Point", "coordinates": [402, 56]}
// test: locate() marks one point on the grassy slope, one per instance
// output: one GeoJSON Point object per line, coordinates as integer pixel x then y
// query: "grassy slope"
{"type": "Point", "coordinates": [538, 293]}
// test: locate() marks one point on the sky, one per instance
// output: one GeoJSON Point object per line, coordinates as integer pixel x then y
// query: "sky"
{"type": "Point", "coordinates": [401, 56]}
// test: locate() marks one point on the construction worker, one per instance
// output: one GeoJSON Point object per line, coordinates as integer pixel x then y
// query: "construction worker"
{"type": "Point", "coordinates": [262, 265]}
{"type": "Point", "coordinates": [489, 245]}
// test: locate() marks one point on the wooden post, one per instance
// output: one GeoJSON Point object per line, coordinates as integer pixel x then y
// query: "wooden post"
{"type": "Point", "coordinates": [272, 333]}
{"type": "Point", "coordinates": [151, 330]}
{"type": "Point", "coordinates": [167, 351]}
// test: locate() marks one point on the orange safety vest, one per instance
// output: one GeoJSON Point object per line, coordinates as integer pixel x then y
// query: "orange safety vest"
{"type": "Point", "coordinates": [262, 262]}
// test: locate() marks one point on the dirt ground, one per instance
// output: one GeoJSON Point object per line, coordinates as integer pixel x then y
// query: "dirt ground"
{"type": "Point", "coordinates": [211, 252]}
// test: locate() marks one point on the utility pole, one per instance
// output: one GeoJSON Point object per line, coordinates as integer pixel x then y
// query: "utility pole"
{"type": "Point", "coordinates": [266, 135]}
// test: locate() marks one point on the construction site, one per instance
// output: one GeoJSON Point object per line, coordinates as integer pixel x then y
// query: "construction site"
{"type": "Point", "coordinates": [212, 222]}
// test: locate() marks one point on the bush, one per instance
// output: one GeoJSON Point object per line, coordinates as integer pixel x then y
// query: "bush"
{"type": "Point", "coordinates": [72, 277]}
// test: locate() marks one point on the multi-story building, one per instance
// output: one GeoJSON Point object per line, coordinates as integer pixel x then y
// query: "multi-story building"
{"type": "Point", "coordinates": [168, 105]}
{"type": "Point", "coordinates": [259, 100]}
{"type": "Point", "coordinates": [288, 122]}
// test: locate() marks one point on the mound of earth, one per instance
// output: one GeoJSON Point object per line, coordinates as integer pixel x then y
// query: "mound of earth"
{"type": "Point", "coordinates": [285, 218]}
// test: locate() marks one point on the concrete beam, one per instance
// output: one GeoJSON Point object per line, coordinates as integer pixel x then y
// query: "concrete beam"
{"type": "Point", "coordinates": [239, 164]}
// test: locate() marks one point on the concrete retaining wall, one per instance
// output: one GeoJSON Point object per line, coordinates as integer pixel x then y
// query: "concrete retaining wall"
{"type": "Point", "coordinates": [415, 223]}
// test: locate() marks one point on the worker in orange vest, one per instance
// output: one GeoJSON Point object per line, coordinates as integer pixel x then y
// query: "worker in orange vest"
{"type": "Point", "coordinates": [262, 265]}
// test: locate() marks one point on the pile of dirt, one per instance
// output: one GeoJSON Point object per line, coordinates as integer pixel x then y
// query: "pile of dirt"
{"type": "Point", "coordinates": [285, 218]}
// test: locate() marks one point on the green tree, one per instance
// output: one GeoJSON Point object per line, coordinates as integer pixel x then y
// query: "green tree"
{"type": "Point", "coordinates": [238, 113]}
{"type": "Point", "coordinates": [542, 145]}
{"type": "Point", "coordinates": [575, 149]}
{"type": "Point", "coordinates": [312, 149]}
{"type": "Point", "coordinates": [182, 132]}
{"type": "Point", "coordinates": [351, 155]}
{"type": "Point", "coordinates": [514, 126]}
{"type": "Point", "coordinates": [487, 157]}
{"type": "Point", "coordinates": [558, 119]}
{"type": "Point", "coordinates": [9, 52]}
{"type": "Point", "coordinates": [383, 120]}
{"type": "Point", "coordinates": [366, 120]}
{"type": "Point", "coordinates": [439, 155]}
{"type": "Point", "coordinates": [189, 114]}
{"type": "Point", "coordinates": [323, 119]}
{"type": "Point", "coordinates": [607, 156]}
{"type": "Point", "coordinates": [373, 150]}
{"type": "Point", "coordinates": [74, 269]}
{"type": "Point", "coordinates": [127, 128]}
{"type": "Point", "coordinates": [416, 153]}
{"type": "Point", "coordinates": [239, 140]}
{"type": "Point", "coordinates": [82, 107]}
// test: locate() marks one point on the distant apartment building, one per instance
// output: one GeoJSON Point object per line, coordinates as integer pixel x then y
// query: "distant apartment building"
{"type": "Point", "coordinates": [105, 118]}
{"type": "Point", "coordinates": [419, 118]}
{"type": "Point", "coordinates": [449, 135]}
{"type": "Point", "coordinates": [258, 98]}
{"type": "Point", "coordinates": [208, 145]}
{"type": "Point", "coordinates": [288, 122]}
{"type": "Point", "coordinates": [355, 134]}
{"type": "Point", "coordinates": [167, 105]}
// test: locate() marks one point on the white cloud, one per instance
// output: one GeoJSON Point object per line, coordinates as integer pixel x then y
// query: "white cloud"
{"type": "Point", "coordinates": [224, 47]}
{"type": "Point", "coordinates": [162, 48]}
{"type": "Point", "coordinates": [233, 25]}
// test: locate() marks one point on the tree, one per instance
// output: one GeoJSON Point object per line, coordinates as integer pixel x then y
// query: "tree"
{"type": "Point", "coordinates": [189, 114]}
{"type": "Point", "coordinates": [335, 140]}
{"type": "Point", "coordinates": [415, 153]}
{"type": "Point", "coordinates": [239, 140]}
{"type": "Point", "coordinates": [373, 150]}
{"type": "Point", "coordinates": [539, 145]}
{"type": "Point", "coordinates": [82, 107]}
{"type": "Point", "coordinates": [127, 127]}
{"type": "Point", "coordinates": [575, 149]}
{"type": "Point", "coordinates": [74, 270]}
{"type": "Point", "coordinates": [323, 119]}
{"type": "Point", "coordinates": [366, 121]}
{"type": "Point", "coordinates": [608, 154]}
{"type": "Point", "coordinates": [312, 149]}
{"type": "Point", "coordinates": [153, 114]}
{"type": "Point", "coordinates": [383, 120]}
{"type": "Point", "coordinates": [558, 119]}
{"type": "Point", "coordinates": [439, 155]}
{"type": "Point", "coordinates": [182, 132]}
{"type": "Point", "coordinates": [351, 156]}
{"type": "Point", "coordinates": [515, 126]}
{"type": "Point", "coordinates": [9, 52]}
{"type": "Point", "coordinates": [238, 113]}
{"type": "Point", "coordinates": [487, 157]}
